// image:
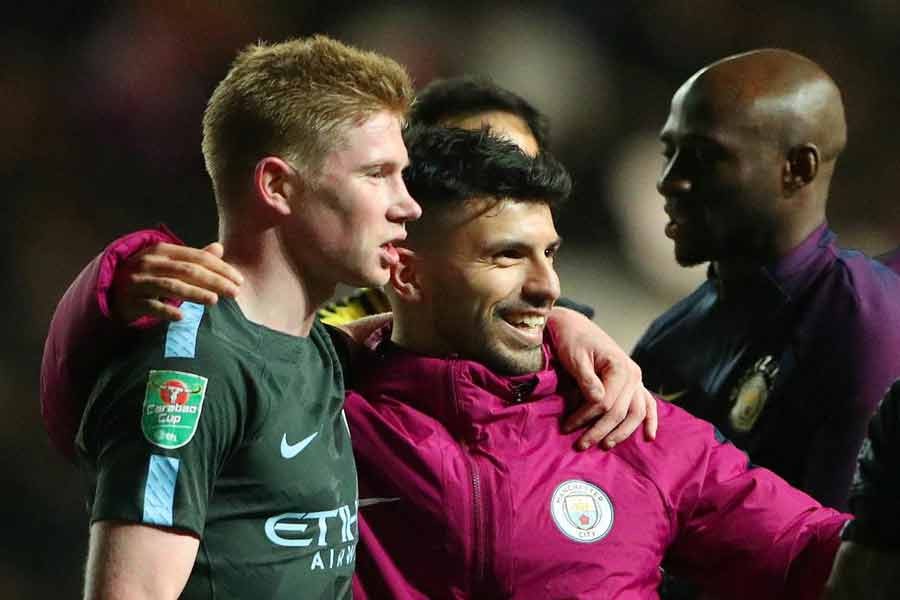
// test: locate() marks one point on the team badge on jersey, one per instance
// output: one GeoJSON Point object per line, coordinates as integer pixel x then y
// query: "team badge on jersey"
{"type": "Point", "coordinates": [172, 405]}
{"type": "Point", "coordinates": [582, 511]}
{"type": "Point", "coordinates": [750, 394]}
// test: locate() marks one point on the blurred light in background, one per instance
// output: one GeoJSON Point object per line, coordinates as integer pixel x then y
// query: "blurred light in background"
{"type": "Point", "coordinates": [552, 60]}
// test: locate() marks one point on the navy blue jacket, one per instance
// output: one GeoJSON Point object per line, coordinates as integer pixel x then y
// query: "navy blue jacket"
{"type": "Point", "coordinates": [789, 364]}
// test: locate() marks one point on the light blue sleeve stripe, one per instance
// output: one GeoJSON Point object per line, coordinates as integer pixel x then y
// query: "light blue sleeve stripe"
{"type": "Point", "coordinates": [159, 491]}
{"type": "Point", "coordinates": [181, 338]}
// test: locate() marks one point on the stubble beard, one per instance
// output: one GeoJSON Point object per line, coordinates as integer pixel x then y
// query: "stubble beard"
{"type": "Point", "coordinates": [487, 349]}
{"type": "Point", "coordinates": [508, 361]}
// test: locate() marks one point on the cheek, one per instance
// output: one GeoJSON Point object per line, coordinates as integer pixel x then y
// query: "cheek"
{"type": "Point", "coordinates": [492, 288]}
{"type": "Point", "coordinates": [354, 201]}
{"type": "Point", "coordinates": [460, 294]}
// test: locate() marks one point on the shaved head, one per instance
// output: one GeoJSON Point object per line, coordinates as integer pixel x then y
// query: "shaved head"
{"type": "Point", "coordinates": [788, 97]}
{"type": "Point", "coordinates": [751, 143]}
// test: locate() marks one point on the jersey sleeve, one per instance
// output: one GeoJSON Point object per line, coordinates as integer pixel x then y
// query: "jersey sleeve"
{"type": "Point", "coordinates": [154, 436]}
{"type": "Point", "coordinates": [875, 494]}
{"type": "Point", "coordinates": [82, 338]}
{"type": "Point", "coordinates": [743, 532]}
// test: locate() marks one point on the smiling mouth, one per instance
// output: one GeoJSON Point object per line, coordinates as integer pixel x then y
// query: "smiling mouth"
{"type": "Point", "coordinates": [527, 329]}
{"type": "Point", "coordinates": [527, 322]}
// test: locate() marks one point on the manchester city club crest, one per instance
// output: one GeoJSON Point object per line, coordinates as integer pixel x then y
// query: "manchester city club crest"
{"type": "Point", "coordinates": [750, 394]}
{"type": "Point", "coordinates": [582, 511]}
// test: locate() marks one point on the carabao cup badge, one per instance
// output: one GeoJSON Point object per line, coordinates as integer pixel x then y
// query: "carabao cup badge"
{"type": "Point", "coordinates": [582, 511]}
{"type": "Point", "coordinates": [172, 405]}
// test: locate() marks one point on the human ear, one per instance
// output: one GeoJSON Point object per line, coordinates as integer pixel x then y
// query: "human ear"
{"type": "Point", "coordinates": [800, 167]}
{"type": "Point", "coordinates": [275, 182]}
{"type": "Point", "coordinates": [405, 276]}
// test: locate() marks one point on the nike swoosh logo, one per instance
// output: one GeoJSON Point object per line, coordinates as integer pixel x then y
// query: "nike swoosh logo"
{"type": "Point", "coordinates": [372, 501]}
{"type": "Point", "coordinates": [292, 450]}
{"type": "Point", "coordinates": [673, 396]}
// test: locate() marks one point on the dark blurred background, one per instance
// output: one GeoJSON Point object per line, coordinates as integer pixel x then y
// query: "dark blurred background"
{"type": "Point", "coordinates": [100, 107]}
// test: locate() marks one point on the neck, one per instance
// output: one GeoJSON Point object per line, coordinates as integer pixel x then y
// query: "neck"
{"type": "Point", "coordinates": [274, 293]}
{"type": "Point", "coordinates": [732, 271]}
{"type": "Point", "coordinates": [801, 229]}
{"type": "Point", "coordinates": [737, 269]}
{"type": "Point", "coordinates": [412, 331]}
{"type": "Point", "coordinates": [804, 212]}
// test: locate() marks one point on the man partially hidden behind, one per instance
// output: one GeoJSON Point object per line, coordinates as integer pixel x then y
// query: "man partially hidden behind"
{"type": "Point", "coordinates": [791, 342]}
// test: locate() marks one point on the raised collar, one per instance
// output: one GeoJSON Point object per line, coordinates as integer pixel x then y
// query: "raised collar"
{"type": "Point", "coordinates": [462, 394]}
{"type": "Point", "coordinates": [788, 277]}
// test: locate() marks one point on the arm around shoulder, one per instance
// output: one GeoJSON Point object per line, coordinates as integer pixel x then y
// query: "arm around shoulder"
{"type": "Point", "coordinates": [82, 338]}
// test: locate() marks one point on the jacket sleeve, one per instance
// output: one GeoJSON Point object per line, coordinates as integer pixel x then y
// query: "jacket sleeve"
{"type": "Point", "coordinates": [82, 338]}
{"type": "Point", "coordinates": [742, 531]}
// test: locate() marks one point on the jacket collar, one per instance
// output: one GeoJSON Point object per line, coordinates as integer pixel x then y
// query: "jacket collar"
{"type": "Point", "coordinates": [462, 394]}
{"type": "Point", "coordinates": [788, 277]}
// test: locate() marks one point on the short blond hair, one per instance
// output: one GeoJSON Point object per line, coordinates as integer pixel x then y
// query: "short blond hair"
{"type": "Point", "coordinates": [294, 100]}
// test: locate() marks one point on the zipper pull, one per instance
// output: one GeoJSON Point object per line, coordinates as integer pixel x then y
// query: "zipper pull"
{"type": "Point", "coordinates": [521, 390]}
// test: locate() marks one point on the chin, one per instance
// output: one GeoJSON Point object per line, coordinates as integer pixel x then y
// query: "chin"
{"type": "Point", "coordinates": [690, 261]}
{"type": "Point", "coordinates": [690, 258]}
{"type": "Point", "coordinates": [375, 281]}
{"type": "Point", "coordinates": [515, 363]}
{"type": "Point", "coordinates": [373, 277]}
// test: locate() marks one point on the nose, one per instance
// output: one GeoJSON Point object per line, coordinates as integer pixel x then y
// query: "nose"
{"type": "Point", "coordinates": [404, 208]}
{"type": "Point", "coordinates": [542, 285]}
{"type": "Point", "coordinates": [672, 181]}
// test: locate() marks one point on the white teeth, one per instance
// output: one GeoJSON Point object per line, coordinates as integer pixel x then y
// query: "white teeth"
{"type": "Point", "coordinates": [530, 322]}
